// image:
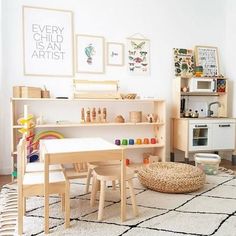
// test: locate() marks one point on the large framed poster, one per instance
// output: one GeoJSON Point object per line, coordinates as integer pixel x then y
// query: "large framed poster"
{"type": "Point", "coordinates": [208, 58]}
{"type": "Point", "coordinates": [48, 42]}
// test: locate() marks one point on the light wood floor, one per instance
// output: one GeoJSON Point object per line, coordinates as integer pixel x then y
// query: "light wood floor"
{"type": "Point", "coordinates": [5, 179]}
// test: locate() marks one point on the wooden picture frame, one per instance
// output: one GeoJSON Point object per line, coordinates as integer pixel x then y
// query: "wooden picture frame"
{"type": "Point", "coordinates": [48, 42]}
{"type": "Point", "coordinates": [90, 56]}
{"type": "Point", "coordinates": [208, 58]}
{"type": "Point", "coordinates": [115, 54]}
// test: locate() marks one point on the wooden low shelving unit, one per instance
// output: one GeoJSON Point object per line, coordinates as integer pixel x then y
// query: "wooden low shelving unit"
{"type": "Point", "coordinates": [116, 107]}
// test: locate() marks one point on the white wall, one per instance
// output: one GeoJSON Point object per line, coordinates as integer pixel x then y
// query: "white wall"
{"type": "Point", "coordinates": [167, 23]}
{"type": "Point", "coordinates": [231, 50]}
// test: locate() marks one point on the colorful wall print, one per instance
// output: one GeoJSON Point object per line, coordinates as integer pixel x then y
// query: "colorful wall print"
{"type": "Point", "coordinates": [115, 54]}
{"type": "Point", "coordinates": [184, 63]}
{"type": "Point", "coordinates": [48, 42]}
{"type": "Point", "coordinates": [207, 57]}
{"type": "Point", "coordinates": [138, 52]}
{"type": "Point", "coordinates": [90, 54]}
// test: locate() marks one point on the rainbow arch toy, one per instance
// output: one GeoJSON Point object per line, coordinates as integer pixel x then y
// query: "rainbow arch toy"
{"type": "Point", "coordinates": [50, 134]}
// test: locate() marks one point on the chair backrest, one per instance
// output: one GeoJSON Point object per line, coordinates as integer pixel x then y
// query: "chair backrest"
{"type": "Point", "coordinates": [21, 159]}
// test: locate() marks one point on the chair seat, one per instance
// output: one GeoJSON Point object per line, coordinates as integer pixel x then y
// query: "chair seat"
{"type": "Point", "coordinates": [111, 173]}
{"type": "Point", "coordinates": [38, 178]}
{"type": "Point", "coordinates": [39, 167]}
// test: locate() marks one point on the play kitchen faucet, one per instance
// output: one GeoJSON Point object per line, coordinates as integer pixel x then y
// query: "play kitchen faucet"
{"type": "Point", "coordinates": [209, 111]}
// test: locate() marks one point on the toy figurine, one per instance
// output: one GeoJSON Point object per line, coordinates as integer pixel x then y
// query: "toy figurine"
{"type": "Point", "coordinates": [88, 118]}
{"type": "Point", "coordinates": [104, 115]}
{"type": "Point", "coordinates": [94, 115]}
{"type": "Point", "coordinates": [82, 115]}
{"type": "Point", "coordinates": [99, 115]}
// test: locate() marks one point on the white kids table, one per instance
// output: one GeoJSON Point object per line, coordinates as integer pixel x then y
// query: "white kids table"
{"type": "Point", "coordinates": [76, 150]}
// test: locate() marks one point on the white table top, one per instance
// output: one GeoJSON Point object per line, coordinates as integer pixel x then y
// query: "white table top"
{"type": "Point", "coordinates": [70, 145]}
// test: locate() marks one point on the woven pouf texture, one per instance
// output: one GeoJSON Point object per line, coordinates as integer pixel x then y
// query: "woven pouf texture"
{"type": "Point", "coordinates": [169, 177]}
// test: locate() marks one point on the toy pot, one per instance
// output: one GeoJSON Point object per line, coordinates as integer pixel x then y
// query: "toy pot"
{"type": "Point", "coordinates": [153, 141]}
{"type": "Point", "coordinates": [146, 141]}
{"type": "Point", "coordinates": [117, 142]}
{"type": "Point", "coordinates": [124, 141]}
{"type": "Point", "coordinates": [138, 141]}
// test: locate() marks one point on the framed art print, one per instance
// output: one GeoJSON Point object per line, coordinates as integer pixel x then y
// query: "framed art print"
{"type": "Point", "coordinates": [90, 54]}
{"type": "Point", "coordinates": [48, 42]}
{"type": "Point", "coordinates": [115, 54]}
{"type": "Point", "coordinates": [184, 63]}
{"type": "Point", "coordinates": [207, 57]}
{"type": "Point", "coordinates": [138, 52]}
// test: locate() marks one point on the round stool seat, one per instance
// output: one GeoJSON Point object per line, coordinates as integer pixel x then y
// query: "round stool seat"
{"type": "Point", "coordinates": [111, 173]}
{"type": "Point", "coordinates": [169, 177]}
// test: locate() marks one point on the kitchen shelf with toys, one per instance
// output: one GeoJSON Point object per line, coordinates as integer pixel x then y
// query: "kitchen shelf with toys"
{"type": "Point", "coordinates": [140, 120]}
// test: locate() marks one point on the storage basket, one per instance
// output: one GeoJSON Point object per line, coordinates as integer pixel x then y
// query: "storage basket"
{"type": "Point", "coordinates": [208, 162]}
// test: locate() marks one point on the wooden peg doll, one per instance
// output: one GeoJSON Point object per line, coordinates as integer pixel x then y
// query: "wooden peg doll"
{"type": "Point", "coordinates": [82, 115]}
{"type": "Point", "coordinates": [104, 115]}
{"type": "Point", "coordinates": [88, 118]}
{"type": "Point", "coordinates": [94, 115]}
{"type": "Point", "coordinates": [99, 115]}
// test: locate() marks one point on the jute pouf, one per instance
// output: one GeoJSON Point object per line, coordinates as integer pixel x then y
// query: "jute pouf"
{"type": "Point", "coordinates": [170, 177]}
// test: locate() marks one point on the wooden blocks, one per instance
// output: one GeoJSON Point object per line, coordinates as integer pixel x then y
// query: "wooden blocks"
{"type": "Point", "coordinates": [26, 92]}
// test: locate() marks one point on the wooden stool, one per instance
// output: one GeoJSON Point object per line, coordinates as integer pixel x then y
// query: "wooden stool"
{"type": "Point", "coordinates": [92, 165]}
{"type": "Point", "coordinates": [110, 173]}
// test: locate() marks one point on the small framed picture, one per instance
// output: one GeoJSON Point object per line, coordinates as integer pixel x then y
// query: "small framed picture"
{"type": "Point", "coordinates": [115, 54]}
{"type": "Point", "coordinates": [208, 58]}
{"type": "Point", "coordinates": [90, 54]}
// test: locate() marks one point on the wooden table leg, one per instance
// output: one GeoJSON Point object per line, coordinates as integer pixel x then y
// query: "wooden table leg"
{"type": "Point", "coordinates": [46, 194]}
{"type": "Point", "coordinates": [123, 188]}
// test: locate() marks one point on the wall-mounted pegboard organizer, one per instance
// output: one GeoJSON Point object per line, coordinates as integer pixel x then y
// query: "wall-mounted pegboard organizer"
{"type": "Point", "coordinates": [68, 112]}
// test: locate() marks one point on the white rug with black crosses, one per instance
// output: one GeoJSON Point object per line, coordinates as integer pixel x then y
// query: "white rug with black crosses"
{"type": "Point", "coordinates": [210, 211]}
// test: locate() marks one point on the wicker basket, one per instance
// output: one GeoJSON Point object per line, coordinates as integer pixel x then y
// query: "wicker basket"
{"type": "Point", "coordinates": [171, 177]}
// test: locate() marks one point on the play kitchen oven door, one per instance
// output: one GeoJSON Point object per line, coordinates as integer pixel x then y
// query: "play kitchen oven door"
{"type": "Point", "coordinates": [199, 137]}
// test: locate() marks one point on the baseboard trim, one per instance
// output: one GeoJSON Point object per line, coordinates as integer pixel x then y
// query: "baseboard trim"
{"type": "Point", "coordinates": [5, 171]}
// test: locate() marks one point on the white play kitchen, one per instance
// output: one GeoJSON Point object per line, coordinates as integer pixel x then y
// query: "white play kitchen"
{"type": "Point", "coordinates": [200, 118]}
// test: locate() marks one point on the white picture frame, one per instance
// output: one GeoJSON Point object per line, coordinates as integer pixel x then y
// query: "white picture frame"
{"type": "Point", "coordinates": [90, 54]}
{"type": "Point", "coordinates": [48, 42]}
{"type": "Point", "coordinates": [115, 54]}
{"type": "Point", "coordinates": [138, 56]}
{"type": "Point", "coordinates": [207, 57]}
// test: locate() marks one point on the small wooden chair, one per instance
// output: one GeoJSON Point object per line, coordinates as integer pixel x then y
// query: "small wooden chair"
{"type": "Point", "coordinates": [32, 183]}
{"type": "Point", "coordinates": [110, 173]}
{"type": "Point", "coordinates": [92, 165]}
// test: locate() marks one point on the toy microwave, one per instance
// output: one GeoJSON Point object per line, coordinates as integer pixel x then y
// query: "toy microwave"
{"type": "Point", "coordinates": [202, 85]}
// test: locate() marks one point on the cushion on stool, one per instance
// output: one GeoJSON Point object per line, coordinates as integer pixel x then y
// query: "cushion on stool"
{"type": "Point", "coordinates": [169, 177]}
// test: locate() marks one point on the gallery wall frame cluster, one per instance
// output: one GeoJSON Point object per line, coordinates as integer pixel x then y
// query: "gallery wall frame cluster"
{"type": "Point", "coordinates": [51, 48]}
{"type": "Point", "coordinates": [204, 58]}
